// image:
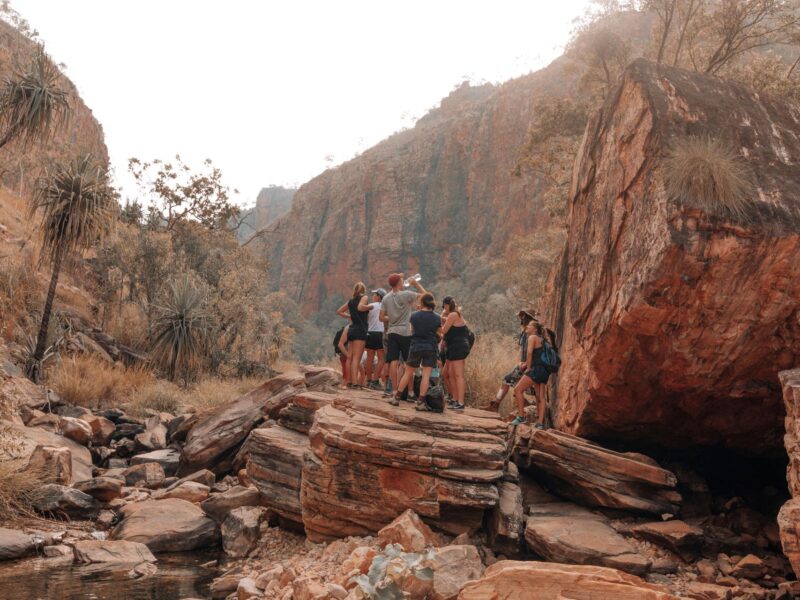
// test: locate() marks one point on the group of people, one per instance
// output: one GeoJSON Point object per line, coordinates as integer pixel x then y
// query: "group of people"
{"type": "Point", "coordinates": [393, 335]}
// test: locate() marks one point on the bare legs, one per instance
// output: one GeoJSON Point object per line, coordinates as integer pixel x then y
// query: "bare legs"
{"type": "Point", "coordinates": [408, 377]}
{"type": "Point", "coordinates": [378, 369]}
{"type": "Point", "coordinates": [356, 349]}
{"type": "Point", "coordinates": [459, 388]}
{"type": "Point", "coordinates": [540, 389]}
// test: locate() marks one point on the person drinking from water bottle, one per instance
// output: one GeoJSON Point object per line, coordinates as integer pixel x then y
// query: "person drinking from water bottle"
{"type": "Point", "coordinates": [396, 310]}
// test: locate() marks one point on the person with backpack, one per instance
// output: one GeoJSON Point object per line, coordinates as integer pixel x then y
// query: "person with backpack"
{"type": "Point", "coordinates": [457, 347]}
{"type": "Point", "coordinates": [511, 378]}
{"type": "Point", "coordinates": [426, 331]}
{"type": "Point", "coordinates": [356, 309]}
{"type": "Point", "coordinates": [536, 372]}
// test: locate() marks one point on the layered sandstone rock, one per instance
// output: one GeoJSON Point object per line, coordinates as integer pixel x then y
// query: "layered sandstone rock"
{"type": "Point", "coordinates": [511, 580]}
{"type": "Point", "coordinates": [789, 515]}
{"type": "Point", "coordinates": [370, 461]}
{"type": "Point", "coordinates": [593, 475]}
{"type": "Point", "coordinates": [674, 319]}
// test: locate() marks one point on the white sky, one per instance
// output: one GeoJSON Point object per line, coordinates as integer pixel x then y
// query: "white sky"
{"type": "Point", "coordinates": [269, 89]}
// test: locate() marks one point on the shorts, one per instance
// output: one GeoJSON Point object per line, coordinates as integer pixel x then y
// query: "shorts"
{"type": "Point", "coordinates": [538, 373]}
{"type": "Point", "coordinates": [425, 358]}
{"type": "Point", "coordinates": [398, 347]}
{"type": "Point", "coordinates": [512, 377]}
{"type": "Point", "coordinates": [356, 334]}
{"type": "Point", "coordinates": [375, 340]}
{"type": "Point", "coordinates": [458, 351]}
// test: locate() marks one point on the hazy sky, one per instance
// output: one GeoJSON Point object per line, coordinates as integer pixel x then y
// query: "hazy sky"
{"type": "Point", "coordinates": [269, 89]}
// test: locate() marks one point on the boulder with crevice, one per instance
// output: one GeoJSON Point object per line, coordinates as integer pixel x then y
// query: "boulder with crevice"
{"type": "Point", "coordinates": [170, 525]}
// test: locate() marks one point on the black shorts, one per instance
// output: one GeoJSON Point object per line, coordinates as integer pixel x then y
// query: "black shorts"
{"type": "Point", "coordinates": [425, 358]}
{"type": "Point", "coordinates": [457, 351]}
{"type": "Point", "coordinates": [356, 334]}
{"type": "Point", "coordinates": [398, 347]}
{"type": "Point", "coordinates": [375, 340]}
{"type": "Point", "coordinates": [538, 373]}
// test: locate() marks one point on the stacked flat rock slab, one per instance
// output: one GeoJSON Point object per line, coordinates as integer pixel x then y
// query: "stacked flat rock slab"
{"type": "Point", "coordinates": [369, 461]}
{"type": "Point", "coordinates": [649, 293]}
{"type": "Point", "coordinates": [789, 515]}
{"type": "Point", "coordinates": [590, 474]}
{"type": "Point", "coordinates": [514, 580]}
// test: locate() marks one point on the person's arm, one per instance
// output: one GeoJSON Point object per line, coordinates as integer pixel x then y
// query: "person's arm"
{"type": "Point", "coordinates": [343, 312]}
{"type": "Point", "coordinates": [420, 290]}
{"type": "Point", "coordinates": [363, 304]}
{"type": "Point", "coordinates": [384, 317]}
{"type": "Point", "coordinates": [343, 343]}
{"type": "Point", "coordinates": [448, 322]}
{"type": "Point", "coordinates": [439, 335]}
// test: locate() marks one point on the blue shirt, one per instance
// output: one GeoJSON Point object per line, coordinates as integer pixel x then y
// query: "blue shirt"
{"type": "Point", "coordinates": [424, 324]}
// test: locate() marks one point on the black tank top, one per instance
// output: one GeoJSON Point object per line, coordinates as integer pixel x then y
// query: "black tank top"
{"type": "Point", "coordinates": [456, 335]}
{"type": "Point", "coordinates": [537, 355]}
{"type": "Point", "coordinates": [358, 317]}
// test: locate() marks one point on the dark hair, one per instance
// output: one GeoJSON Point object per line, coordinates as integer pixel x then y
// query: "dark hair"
{"type": "Point", "coordinates": [538, 327]}
{"type": "Point", "coordinates": [427, 301]}
{"type": "Point", "coordinates": [450, 303]}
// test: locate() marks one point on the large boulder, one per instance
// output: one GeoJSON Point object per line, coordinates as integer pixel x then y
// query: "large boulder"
{"type": "Point", "coordinates": [23, 441]}
{"type": "Point", "coordinates": [566, 533]}
{"type": "Point", "coordinates": [241, 530]}
{"type": "Point", "coordinates": [369, 462]}
{"type": "Point", "coordinates": [102, 429]}
{"type": "Point", "coordinates": [217, 506]}
{"type": "Point", "coordinates": [676, 314]}
{"type": "Point", "coordinates": [513, 580]}
{"type": "Point", "coordinates": [588, 473]}
{"type": "Point", "coordinates": [104, 489]}
{"type": "Point", "coordinates": [15, 544]}
{"type": "Point", "coordinates": [453, 567]}
{"type": "Point", "coordinates": [168, 458]}
{"type": "Point", "coordinates": [190, 491]}
{"type": "Point", "coordinates": [112, 551]}
{"type": "Point", "coordinates": [60, 500]}
{"type": "Point", "coordinates": [410, 532]}
{"type": "Point", "coordinates": [171, 525]}
{"type": "Point", "coordinates": [149, 475]}
{"type": "Point", "coordinates": [75, 429]}
{"type": "Point", "coordinates": [53, 465]}
{"type": "Point", "coordinates": [222, 429]}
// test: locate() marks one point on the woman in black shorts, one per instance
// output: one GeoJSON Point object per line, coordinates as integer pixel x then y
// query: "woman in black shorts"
{"type": "Point", "coordinates": [356, 309]}
{"type": "Point", "coordinates": [455, 331]}
{"type": "Point", "coordinates": [426, 327]}
{"type": "Point", "coordinates": [536, 376]}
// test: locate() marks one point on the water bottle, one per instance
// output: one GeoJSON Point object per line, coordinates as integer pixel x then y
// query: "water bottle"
{"type": "Point", "coordinates": [416, 277]}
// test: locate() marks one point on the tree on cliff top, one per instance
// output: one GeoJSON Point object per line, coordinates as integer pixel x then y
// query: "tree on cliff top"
{"type": "Point", "coordinates": [77, 206]}
{"type": "Point", "coordinates": [32, 104]}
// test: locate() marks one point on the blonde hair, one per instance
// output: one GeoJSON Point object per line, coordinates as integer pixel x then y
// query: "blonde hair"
{"type": "Point", "coordinates": [359, 289]}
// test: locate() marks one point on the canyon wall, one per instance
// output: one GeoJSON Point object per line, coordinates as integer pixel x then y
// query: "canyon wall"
{"type": "Point", "coordinates": [675, 319]}
{"type": "Point", "coordinates": [431, 199]}
{"type": "Point", "coordinates": [19, 167]}
{"type": "Point", "coordinates": [272, 203]}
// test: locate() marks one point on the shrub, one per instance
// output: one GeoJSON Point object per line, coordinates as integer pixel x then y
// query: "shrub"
{"type": "Point", "coordinates": [17, 484]}
{"type": "Point", "coordinates": [492, 356]}
{"type": "Point", "coordinates": [163, 396]}
{"type": "Point", "coordinates": [160, 396]}
{"type": "Point", "coordinates": [91, 382]}
{"type": "Point", "coordinates": [709, 174]}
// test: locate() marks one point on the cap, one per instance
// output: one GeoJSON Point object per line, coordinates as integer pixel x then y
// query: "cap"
{"type": "Point", "coordinates": [394, 279]}
{"type": "Point", "coordinates": [380, 291]}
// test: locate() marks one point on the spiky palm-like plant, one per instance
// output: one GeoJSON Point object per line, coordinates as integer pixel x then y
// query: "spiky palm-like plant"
{"type": "Point", "coordinates": [32, 104]}
{"type": "Point", "coordinates": [77, 206]}
{"type": "Point", "coordinates": [180, 335]}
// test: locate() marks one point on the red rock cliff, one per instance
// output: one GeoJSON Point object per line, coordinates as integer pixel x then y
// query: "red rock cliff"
{"type": "Point", "coordinates": [429, 199]}
{"type": "Point", "coordinates": [675, 322]}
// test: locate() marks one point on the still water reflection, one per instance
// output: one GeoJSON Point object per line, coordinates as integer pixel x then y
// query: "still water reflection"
{"type": "Point", "coordinates": [179, 576]}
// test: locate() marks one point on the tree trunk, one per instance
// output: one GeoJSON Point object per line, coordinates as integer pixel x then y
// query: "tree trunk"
{"type": "Point", "coordinates": [35, 365]}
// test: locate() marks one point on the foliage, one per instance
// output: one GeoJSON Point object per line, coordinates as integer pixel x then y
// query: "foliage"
{"type": "Point", "coordinates": [603, 55]}
{"type": "Point", "coordinates": [179, 194]}
{"type": "Point", "coordinates": [18, 484]}
{"type": "Point", "coordinates": [132, 213]}
{"type": "Point", "coordinates": [180, 334]}
{"type": "Point", "coordinates": [32, 103]}
{"type": "Point", "coordinates": [92, 382]}
{"type": "Point", "coordinates": [379, 584]}
{"type": "Point", "coordinates": [707, 173]}
{"type": "Point", "coordinates": [767, 74]}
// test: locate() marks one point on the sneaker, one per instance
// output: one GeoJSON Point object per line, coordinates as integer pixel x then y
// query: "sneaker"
{"type": "Point", "coordinates": [518, 421]}
{"type": "Point", "coordinates": [539, 426]}
{"type": "Point", "coordinates": [394, 401]}
{"type": "Point", "coordinates": [457, 406]}
{"type": "Point", "coordinates": [387, 393]}
{"type": "Point", "coordinates": [374, 385]}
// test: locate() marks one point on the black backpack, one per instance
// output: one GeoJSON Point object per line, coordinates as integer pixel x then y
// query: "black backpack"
{"type": "Point", "coordinates": [434, 399]}
{"type": "Point", "coordinates": [470, 338]}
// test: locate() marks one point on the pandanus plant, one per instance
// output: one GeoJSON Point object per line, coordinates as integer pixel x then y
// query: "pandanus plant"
{"type": "Point", "coordinates": [32, 104]}
{"type": "Point", "coordinates": [77, 205]}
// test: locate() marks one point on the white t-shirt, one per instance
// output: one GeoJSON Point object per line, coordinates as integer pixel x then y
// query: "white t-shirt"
{"type": "Point", "coordinates": [398, 306]}
{"type": "Point", "coordinates": [375, 323]}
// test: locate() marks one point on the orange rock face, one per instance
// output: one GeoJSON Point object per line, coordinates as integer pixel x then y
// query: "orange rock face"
{"type": "Point", "coordinates": [675, 322]}
{"type": "Point", "coordinates": [429, 199]}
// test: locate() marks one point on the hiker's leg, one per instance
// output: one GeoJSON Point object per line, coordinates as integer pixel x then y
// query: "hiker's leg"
{"type": "Point", "coordinates": [356, 350]}
{"type": "Point", "coordinates": [446, 378]}
{"type": "Point", "coordinates": [426, 379]}
{"type": "Point", "coordinates": [404, 380]}
{"type": "Point", "coordinates": [343, 361]}
{"type": "Point", "coordinates": [541, 402]}
{"type": "Point", "coordinates": [379, 368]}
{"type": "Point", "coordinates": [457, 377]}
{"type": "Point", "coordinates": [519, 391]}
{"type": "Point", "coordinates": [370, 361]}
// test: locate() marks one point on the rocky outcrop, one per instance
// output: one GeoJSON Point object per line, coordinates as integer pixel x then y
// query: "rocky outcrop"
{"type": "Point", "coordinates": [170, 525]}
{"type": "Point", "coordinates": [675, 319]}
{"type": "Point", "coordinates": [595, 476]}
{"type": "Point", "coordinates": [789, 515]}
{"type": "Point", "coordinates": [271, 204]}
{"type": "Point", "coordinates": [552, 581]}
{"type": "Point", "coordinates": [370, 461]}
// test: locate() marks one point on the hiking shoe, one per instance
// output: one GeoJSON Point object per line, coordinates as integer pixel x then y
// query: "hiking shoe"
{"type": "Point", "coordinates": [394, 401]}
{"type": "Point", "coordinates": [539, 426]}
{"type": "Point", "coordinates": [387, 393]}
{"type": "Point", "coordinates": [374, 385]}
{"type": "Point", "coordinates": [518, 421]}
{"type": "Point", "coordinates": [457, 406]}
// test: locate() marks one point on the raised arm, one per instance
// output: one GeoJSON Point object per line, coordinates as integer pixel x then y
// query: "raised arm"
{"type": "Point", "coordinates": [420, 290]}
{"type": "Point", "coordinates": [343, 312]}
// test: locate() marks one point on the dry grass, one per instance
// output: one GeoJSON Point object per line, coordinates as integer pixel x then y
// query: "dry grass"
{"type": "Point", "coordinates": [91, 382]}
{"type": "Point", "coordinates": [17, 484]}
{"type": "Point", "coordinates": [129, 326]}
{"type": "Point", "coordinates": [493, 356]}
{"type": "Point", "coordinates": [163, 396]}
{"type": "Point", "coordinates": [709, 174]}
